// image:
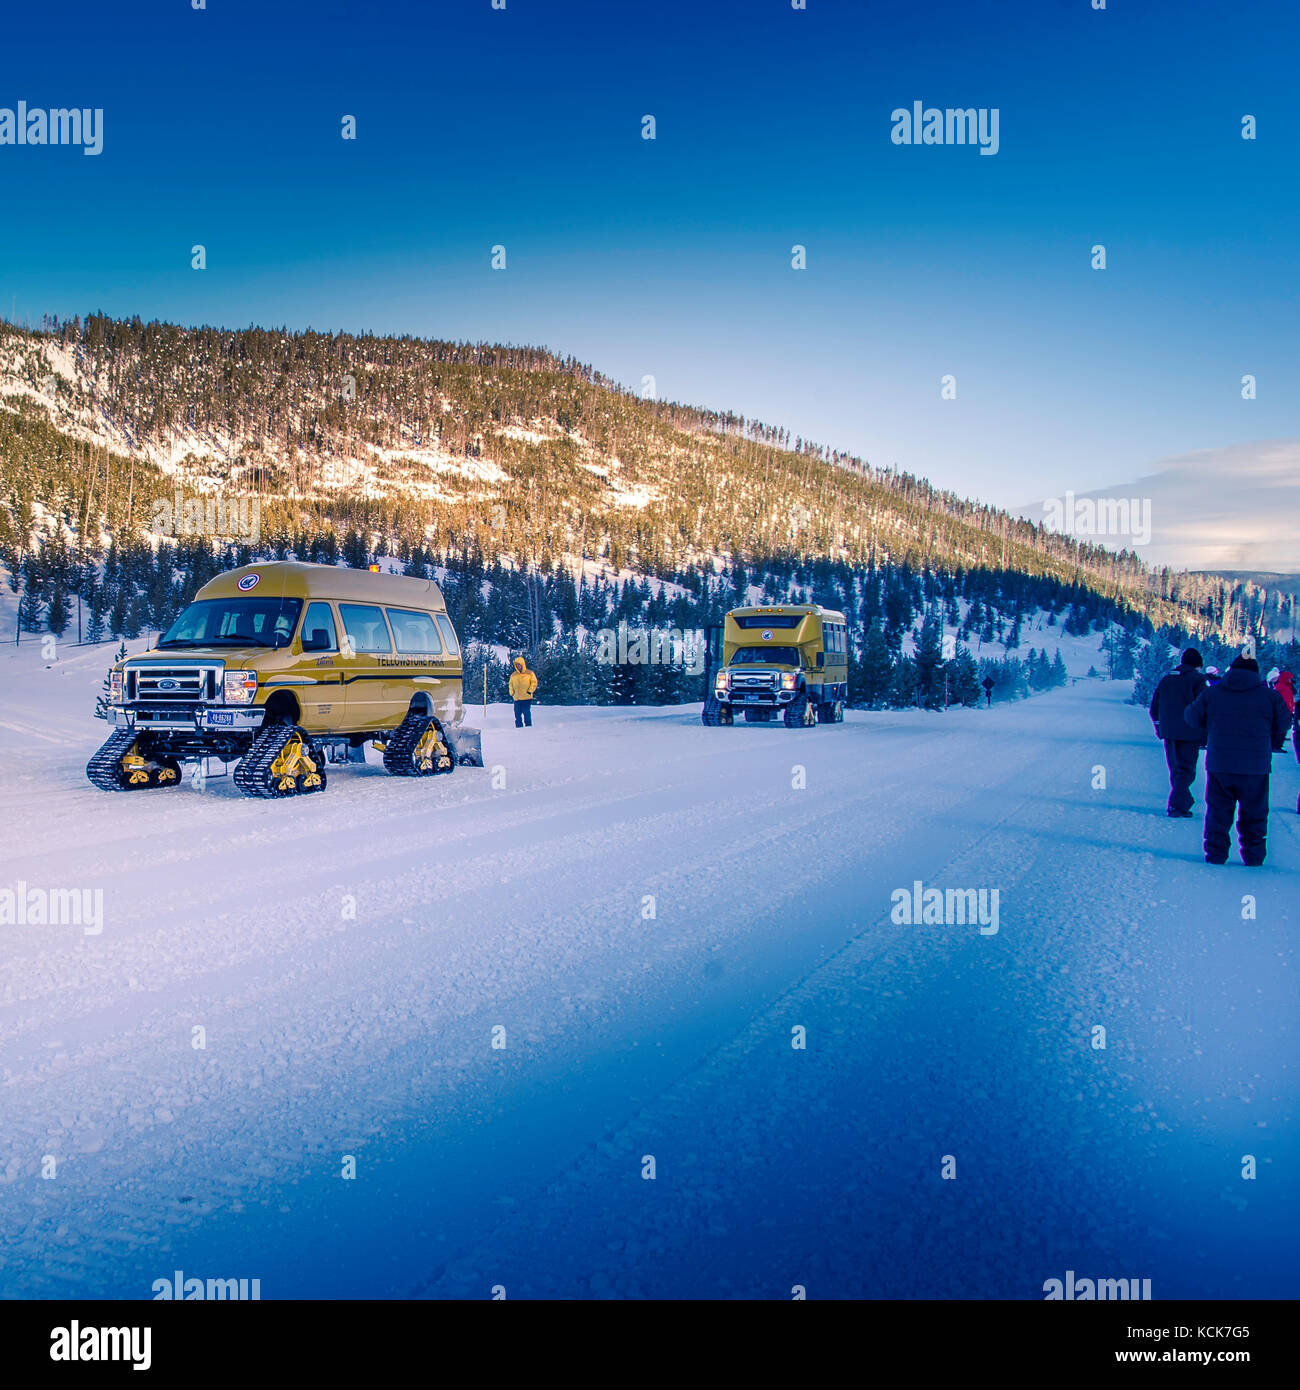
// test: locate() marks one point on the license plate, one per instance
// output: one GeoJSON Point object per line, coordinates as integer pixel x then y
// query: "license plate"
{"type": "Point", "coordinates": [220, 717]}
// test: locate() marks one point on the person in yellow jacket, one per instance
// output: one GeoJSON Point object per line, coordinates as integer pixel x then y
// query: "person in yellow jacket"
{"type": "Point", "coordinates": [523, 686]}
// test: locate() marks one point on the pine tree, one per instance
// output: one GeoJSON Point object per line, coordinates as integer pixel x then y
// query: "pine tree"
{"type": "Point", "coordinates": [929, 663]}
{"type": "Point", "coordinates": [356, 553]}
{"type": "Point", "coordinates": [95, 626]}
{"type": "Point", "coordinates": [871, 677]}
{"type": "Point", "coordinates": [117, 622]}
{"type": "Point", "coordinates": [58, 613]}
{"type": "Point", "coordinates": [1154, 663]}
{"type": "Point", "coordinates": [1117, 646]}
{"type": "Point", "coordinates": [964, 679]}
{"type": "Point", "coordinates": [902, 688]}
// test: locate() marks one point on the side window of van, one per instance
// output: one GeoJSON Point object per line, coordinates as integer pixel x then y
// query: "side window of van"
{"type": "Point", "coordinates": [365, 627]}
{"type": "Point", "coordinates": [413, 632]}
{"type": "Point", "coordinates": [318, 634]}
{"type": "Point", "coordinates": [448, 634]}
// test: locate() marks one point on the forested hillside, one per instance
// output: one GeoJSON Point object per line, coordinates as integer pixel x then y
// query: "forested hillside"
{"type": "Point", "coordinates": [549, 498]}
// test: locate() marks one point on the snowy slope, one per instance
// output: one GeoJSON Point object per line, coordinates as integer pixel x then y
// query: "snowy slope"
{"type": "Point", "coordinates": [522, 907]}
{"type": "Point", "coordinates": [1080, 654]}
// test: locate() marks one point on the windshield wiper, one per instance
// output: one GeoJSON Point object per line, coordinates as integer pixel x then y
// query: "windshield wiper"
{"type": "Point", "coordinates": [213, 641]}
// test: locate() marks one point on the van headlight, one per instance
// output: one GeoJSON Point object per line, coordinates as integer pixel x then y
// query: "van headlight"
{"type": "Point", "coordinates": [239, 687]}
{"type": "Point", "coordinates": [789, 680]}
{"type": "Point", "coordinates": [115, 687]}
{"type": "Point", "coordinates": [722, 684]}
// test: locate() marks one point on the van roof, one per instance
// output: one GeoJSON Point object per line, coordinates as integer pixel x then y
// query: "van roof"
{"type": "Point", "coordinates": [294, 579]}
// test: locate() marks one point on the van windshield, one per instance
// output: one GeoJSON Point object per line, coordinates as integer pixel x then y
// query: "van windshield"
{"type": "Point", "coordinates": [776, 656]}
{"type": "Point", "coordinates": [241, 622]}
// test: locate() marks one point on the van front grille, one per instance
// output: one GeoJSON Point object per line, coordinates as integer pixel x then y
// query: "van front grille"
{"type": "Point", "coordinates": [173, 686]}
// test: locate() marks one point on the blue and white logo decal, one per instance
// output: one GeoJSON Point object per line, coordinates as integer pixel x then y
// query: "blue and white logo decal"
{"type": "Point", "coordinates": [166, 685]}
{"type": "Point", "coordinates": [767, 636]}
{"type": "Point", "coordinates": [249, 581]}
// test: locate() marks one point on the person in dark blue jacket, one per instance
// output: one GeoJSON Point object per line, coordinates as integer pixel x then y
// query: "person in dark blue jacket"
{"type": "Point", "coordinates": [1245, 723]}
{"type": "Point", "coordinates": [1182, 745]}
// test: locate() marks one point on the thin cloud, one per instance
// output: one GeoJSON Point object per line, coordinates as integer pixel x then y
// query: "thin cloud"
{"type": "Point", "coordinates": [1235, 508]}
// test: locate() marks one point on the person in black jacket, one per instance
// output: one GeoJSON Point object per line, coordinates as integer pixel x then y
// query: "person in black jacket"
{"type": "Point", "coordinates": [1246, 724]}
{"type": "Point", "coordinates": [1182, 745]}
{"type": "Point", "coordinates": [1295, 743]}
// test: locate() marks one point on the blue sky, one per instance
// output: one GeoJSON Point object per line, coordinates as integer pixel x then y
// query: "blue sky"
{"type": "Point", "coordinates": [672, 257]}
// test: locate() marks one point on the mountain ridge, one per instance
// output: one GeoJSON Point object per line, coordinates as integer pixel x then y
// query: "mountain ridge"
{"type": "Point", "coordinates": [534, 454]}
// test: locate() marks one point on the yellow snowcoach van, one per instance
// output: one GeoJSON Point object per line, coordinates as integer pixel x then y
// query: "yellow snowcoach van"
{"type": "Point", "coordinates": [791, 660]}
{"type": "Point", "coordinates": [283, 667]}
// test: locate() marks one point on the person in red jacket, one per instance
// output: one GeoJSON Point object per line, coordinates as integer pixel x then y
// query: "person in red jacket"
{"type": "Point", "coordinates": [1284, 683]}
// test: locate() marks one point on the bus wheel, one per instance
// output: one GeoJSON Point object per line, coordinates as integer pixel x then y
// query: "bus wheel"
{"type": "Point", "coordinates": [800, 713]}
{"type": "Point", "coordinates": [166, 774]}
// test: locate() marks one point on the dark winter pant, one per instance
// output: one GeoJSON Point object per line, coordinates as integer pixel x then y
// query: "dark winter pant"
{"type": "Point", "coordinates": [1181, 755]}
{"type": "Point", "coordinates": [523, 713]}
{"type": "Point", "coordinates": [1247, 794]}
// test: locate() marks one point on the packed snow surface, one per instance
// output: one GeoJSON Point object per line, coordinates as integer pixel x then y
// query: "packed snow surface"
{"type": "Point", "coordinates": [641, 913]}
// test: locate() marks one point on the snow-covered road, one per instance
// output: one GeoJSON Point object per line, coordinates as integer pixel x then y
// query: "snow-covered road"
{"type": "Point", "coordinates": [647, 908]}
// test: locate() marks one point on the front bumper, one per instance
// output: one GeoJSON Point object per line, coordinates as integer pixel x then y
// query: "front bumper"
{"type": "Point", "coordinates": [757, 699]}
{"type": "Point", "coordinates": [204, 719]}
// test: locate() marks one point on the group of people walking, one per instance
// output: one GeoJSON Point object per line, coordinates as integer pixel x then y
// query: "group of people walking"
{"type": "Point", "coordinates": [1240, 720]}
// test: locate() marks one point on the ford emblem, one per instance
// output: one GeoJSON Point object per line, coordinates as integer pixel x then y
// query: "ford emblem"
{"type": "Point", "coordinates": [166, 685]}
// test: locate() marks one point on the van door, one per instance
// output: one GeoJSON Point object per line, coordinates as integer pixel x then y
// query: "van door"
{"type": "Point", "coordinates": [419, 652]}
{"type": "Point", "coordinates": [365, 641]}
{"type": "Point", "coordinates": [322, 703]}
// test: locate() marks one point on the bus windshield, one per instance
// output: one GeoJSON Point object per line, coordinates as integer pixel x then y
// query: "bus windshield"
{"type": "Point", "coordinates": [775, 656]}
{"type": "Point", "coordinates": [244, 622]}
